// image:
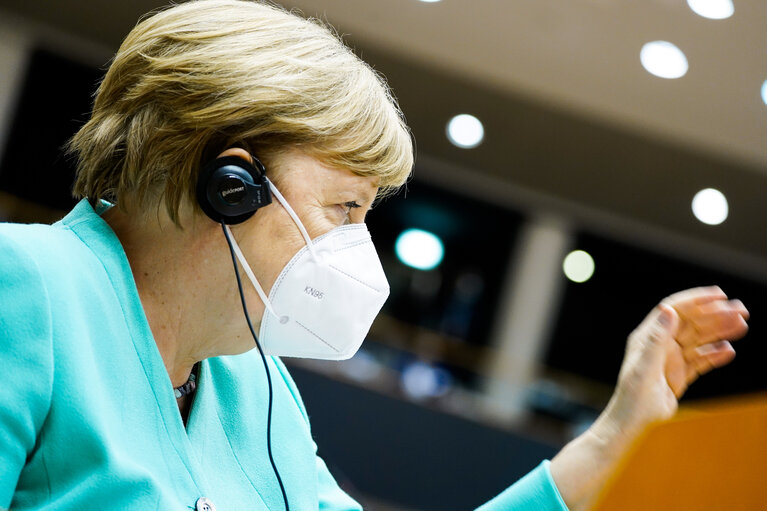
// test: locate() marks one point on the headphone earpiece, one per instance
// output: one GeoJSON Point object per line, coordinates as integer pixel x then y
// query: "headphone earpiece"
{"type": "Point", "coordinates": [230, 189]}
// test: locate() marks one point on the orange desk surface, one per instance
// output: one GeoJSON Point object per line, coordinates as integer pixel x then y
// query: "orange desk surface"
{"type": "Point", "coordinates": [710, 457]}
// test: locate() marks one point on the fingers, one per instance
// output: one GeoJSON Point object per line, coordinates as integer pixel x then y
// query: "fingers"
{"type": "Point", "coordinates": [709, 357]}
{"type": "Point", "coordinates": [704, 327]}
{"type": "Point", "coordinates": [707, 311]}
{"type": "Point", "coordinates": [684, 301]}
{"type": "Point", "coordinates": [691, 305]}
{"type": "Point", "coordinates": [712, 321]}
{"type": "Point", "coordinates": [683, 338]}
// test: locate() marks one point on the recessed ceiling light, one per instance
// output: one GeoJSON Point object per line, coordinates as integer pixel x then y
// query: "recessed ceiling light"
{"type": "Point", "coordinates": [713, 9]}
{"type": "Point", "coordinates": [578, 266]}
{"type": "Point", "coordinates": [764, 92]}
{"type": "Point", "coordinates": [419, 249]}
{"type": "Point", "coordinates": [465, 131]}
{"type": "Point", "coordinates": [710, 206]}
{"type": "Point", "coordinates": [663, 59]}
{"type": "Point", "coordinates": [429, 1]}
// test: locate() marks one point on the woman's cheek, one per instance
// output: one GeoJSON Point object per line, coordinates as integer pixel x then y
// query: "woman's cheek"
{"type": "Point", "coordinates": [321, 220]}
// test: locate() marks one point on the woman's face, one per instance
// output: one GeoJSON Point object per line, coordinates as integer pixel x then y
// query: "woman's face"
{"type": "Point", "coordinates": [323, 198]}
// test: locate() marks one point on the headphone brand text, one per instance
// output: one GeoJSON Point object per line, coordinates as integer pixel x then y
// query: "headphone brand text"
{"type": "Point", "coordinates": [230, 191]}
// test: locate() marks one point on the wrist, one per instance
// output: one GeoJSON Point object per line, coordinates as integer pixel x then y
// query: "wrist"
{"type": "Point", "coordinates": [585, 465]}
{"type": "Point", "coordinates": [611, 435]}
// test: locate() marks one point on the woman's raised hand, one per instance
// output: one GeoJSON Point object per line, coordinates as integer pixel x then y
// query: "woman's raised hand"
{"type": "Point", "coordinates": [687, 335]}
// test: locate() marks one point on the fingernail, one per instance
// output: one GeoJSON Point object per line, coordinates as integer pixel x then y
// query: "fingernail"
{"type": "Point", "coordinates": [663, 318]}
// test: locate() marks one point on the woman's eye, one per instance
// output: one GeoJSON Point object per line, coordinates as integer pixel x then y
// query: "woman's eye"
{"type": "Point", "coordinates": [348, 206]}
{"type": "Point", "coordinates": [351, 205]}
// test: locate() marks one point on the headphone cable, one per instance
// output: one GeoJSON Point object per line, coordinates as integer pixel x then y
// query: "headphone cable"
{"type": "Point", "coordinates": [266, 367]}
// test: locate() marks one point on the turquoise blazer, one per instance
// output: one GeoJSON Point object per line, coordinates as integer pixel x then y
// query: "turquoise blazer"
{"type": "Point", "coordinates": [88, 419]}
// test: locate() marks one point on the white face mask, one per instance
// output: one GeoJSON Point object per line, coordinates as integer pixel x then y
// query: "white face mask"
{"type": "Point", "coordinates": [325, 299]}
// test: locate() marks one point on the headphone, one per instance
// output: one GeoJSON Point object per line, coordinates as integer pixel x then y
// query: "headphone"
{"type": "Point", "coordinates": [231, 189]}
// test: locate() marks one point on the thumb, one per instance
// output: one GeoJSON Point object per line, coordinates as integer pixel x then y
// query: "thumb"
{"type": "Point", "coordinates": [668, 320]}
{"type": "Point", "coordinates": [674, 368]}
{"type": "Point", "coordinates": [660, 327]}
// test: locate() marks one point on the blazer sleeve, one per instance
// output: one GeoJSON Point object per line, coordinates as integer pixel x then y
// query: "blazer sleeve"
{"type": "Point", "coordinates": [26, 356]}
{"type": "Point", "coordinates": [534, 492]}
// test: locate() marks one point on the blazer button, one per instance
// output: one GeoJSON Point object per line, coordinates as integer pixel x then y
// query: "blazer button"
{"type": "Point", "coordinates": [204, 504]}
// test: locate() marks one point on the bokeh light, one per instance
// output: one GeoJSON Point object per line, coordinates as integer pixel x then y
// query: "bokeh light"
{"type": "Point", "coordinates": [764, 92]}
{"type": "Point", "coordinates": [713, 9]}
{"type": "Point", "coordinates": [663, 59]}
{"type": "Point", "coordinates": [710, 206]}
{"type": "Point", "coordinates": [578, 266]}
{"type": "Point", "coordinates": [465, 131]}
{"type": "Point", "coordinates": [421, 381]}
{"type": "Point", "coordinates": [419, 249]}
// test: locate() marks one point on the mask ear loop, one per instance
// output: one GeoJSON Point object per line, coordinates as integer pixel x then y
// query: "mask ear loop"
{"type": "Point", "coordinates": [248, 271]}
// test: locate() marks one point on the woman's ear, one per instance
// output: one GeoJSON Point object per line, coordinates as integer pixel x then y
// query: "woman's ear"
{"type": "Point", "coordinates": [239, 152]}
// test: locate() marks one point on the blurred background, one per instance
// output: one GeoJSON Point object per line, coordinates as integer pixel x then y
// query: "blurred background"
{"type": "Point", "coordinates": [577, 162]}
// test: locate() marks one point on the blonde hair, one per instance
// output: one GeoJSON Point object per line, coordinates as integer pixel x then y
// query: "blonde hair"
{"type": "Point", "coordinates": [199, 77]}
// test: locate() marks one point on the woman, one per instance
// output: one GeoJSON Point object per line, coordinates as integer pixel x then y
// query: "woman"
{"type": "Point", "coordinates": [132, 376]}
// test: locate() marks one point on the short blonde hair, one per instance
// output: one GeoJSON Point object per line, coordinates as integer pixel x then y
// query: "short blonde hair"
{"type": "Point", "coordinates": [199, 77]}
